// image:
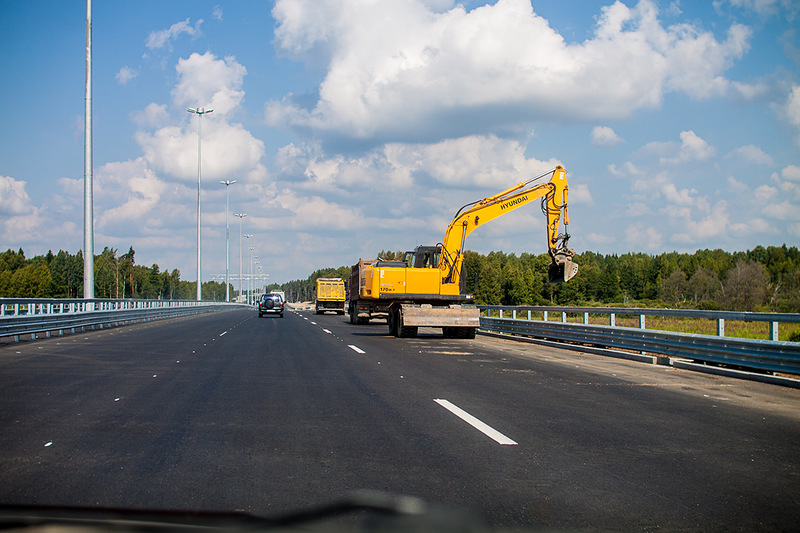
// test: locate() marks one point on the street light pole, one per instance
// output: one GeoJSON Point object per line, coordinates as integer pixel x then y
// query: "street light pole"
{"type": "Point", "coordinates": [88, 200]}
{"type": "Point", "coordinates": [247, 297]}
{"type": "Point", "coordinates": [250, 281]}
{"type": "Point", "coordinates": [227, 184]}
{"type": "Point", "coordinates": [199, 111]}
{"type": "Point", "coordinates": [241, 221]}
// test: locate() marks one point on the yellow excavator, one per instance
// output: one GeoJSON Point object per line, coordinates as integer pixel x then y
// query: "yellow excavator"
{"type": "Point", "coordinates": [426, 288]}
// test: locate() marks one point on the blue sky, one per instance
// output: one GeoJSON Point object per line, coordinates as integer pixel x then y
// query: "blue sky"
{"type": "Point", "coordinates": [355, 126]}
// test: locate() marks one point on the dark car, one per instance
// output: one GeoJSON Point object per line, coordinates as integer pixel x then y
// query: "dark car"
{"type": "Point", "coordinates": [270, 303]}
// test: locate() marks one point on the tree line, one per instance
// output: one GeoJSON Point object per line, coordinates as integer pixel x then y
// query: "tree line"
{"type": "Point", "coordinates": [115, 276]}
{"type": "Point", "coordinates": [761, 279]}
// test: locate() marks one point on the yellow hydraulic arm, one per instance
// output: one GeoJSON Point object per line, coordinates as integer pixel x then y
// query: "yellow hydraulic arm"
{"type": "Point", "coordinates": [554, 201]}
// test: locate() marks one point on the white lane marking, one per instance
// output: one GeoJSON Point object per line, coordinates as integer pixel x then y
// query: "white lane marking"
{"type": "Point", "coordinates": [223, 333]}
{"type": "Point", "coordinates": [474, 422]}
{"type": "Point", "coordinates": [326, 330]}
{"type": "Point", "coordinates": [355, 348]}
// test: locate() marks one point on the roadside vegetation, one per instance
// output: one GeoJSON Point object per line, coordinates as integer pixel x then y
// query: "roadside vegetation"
{"type": "Point", "coordinates": [761, 279]}
{"type": "Point", "coordinates": [115, 276]}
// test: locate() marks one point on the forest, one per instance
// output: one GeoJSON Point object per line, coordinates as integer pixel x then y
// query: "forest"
{"type": "Point", "coordinates": [761, 279]}
{"type": "Point", "coordinates": [115, 276]}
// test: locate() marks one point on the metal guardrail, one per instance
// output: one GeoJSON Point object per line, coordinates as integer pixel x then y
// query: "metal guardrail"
{"type": "Point", "coordinates": [764, 355]}
{"type": "Point", "coordinates": [33, 316]}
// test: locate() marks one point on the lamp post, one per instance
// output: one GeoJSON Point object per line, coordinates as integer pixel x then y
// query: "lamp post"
{"type": "Point", "coordinates": [241, 223]}
{"type": "Point", "coordinates": [199, 111]}
{"type": "Point", "coordinates": [247, 236]}
{"type": "Point", "coordinates": [250, 281]}
{"type": "Point", "coordinates": [227, 184]}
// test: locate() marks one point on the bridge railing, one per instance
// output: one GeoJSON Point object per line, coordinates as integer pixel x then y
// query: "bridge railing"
{"type": "Point", "coordinates": [35, 316]}
{"type": "Point", "coordinates": [769, 355]}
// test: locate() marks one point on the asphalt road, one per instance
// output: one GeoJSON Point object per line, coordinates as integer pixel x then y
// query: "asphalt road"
{"type": "Point", "coordinates": [229, 411]}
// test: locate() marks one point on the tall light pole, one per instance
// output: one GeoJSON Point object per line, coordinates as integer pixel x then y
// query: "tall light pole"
{"type": "Point", "coordinates": [227, 184]}
{"type": "Point", "coordinates": [250, 281]}
{"type": "Point", "coordinates": [241, 221]}
{"type": "Point", "coordinates": [88, 209]}
{"type": "Point", "coordinates": [199, 111]}
{"type": "Point", "coordinates": [247, 298]}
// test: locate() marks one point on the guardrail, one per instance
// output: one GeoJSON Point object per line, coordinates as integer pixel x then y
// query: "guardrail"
{"type": "Point", "coordinates": [763, 355]}
{"type": "Point", "coordinates": [34, 316]}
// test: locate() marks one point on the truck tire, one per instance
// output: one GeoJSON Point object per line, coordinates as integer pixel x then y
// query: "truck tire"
{"type": "Point", "coordinates": [399, 329]}
{"type": "Point", "coordinates": [392, 319]}
{"type": "Point", "coordinates": [467, 333]}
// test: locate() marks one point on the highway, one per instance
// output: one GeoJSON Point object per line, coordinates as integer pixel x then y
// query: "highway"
{"type": "Point", "coordinates": [228, 411]}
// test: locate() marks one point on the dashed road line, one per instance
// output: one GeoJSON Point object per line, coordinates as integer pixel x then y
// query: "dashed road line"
{"type": "Point", "coordinates": [477, 424]}
{"type": "Point", "coordinates": [355, 348]}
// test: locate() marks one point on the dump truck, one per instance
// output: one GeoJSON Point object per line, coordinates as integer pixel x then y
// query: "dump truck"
{"type": "Point", "coordinates": [426, 288]}
{"type": "Point", "coordinates": [330, 295]}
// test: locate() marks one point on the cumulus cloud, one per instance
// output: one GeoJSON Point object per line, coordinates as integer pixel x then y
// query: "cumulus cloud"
{"type": "Point", "coordinates": [604, 136]}
{"type": "Point", "coordinates": [14, 200]}
{"type": "Point", "coordinates": [792, 108]}
{"type": "Point", "coordinates": [691, 148]}
{"type": "Point", "coordinates": [791, 173]}
{"type": "Point", "coordinates": [228, 149]}
{"type": "Point", "coordinates": [753, 154]}
{"type": "Point", "coordinates": [162, 38]}
{"type": "Point", "coordinates": [639, 237]}
{"type": "Point", "coordinates": [764, 8]}
{"type": "Point", "coordinates": [206, 81]}
{"type": "Point", "coordinates": [125, 75]}
{"type": "Point", "coordinates": [402, 71]}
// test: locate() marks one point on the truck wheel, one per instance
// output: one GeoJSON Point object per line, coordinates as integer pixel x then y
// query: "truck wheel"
{"type": "Point", "coordinates": [393, 320]}
{"type": "Point", "coordinates": [352, 315]}
{"type": "Point", "coordinates": [449, 332]}
{"type": "Point", "coordinates": [409, 331]}
{"type": "Point", "coordinates": [467, 333]}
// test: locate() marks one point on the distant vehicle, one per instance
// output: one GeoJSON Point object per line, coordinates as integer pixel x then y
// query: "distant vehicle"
{"type": "Point", "coordinates": [330, 295]}
{"type": "Point", "coordinates": [270, 304]}
{"type": "Point", "coordinates": [281, 293]}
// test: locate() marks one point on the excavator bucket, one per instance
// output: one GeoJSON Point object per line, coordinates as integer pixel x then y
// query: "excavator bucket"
{"type": "Point", "coordinates": [562, 270]}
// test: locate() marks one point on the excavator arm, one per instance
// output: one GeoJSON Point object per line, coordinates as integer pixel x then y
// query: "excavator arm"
{"type": "Point", "coordinates": [553, 196]}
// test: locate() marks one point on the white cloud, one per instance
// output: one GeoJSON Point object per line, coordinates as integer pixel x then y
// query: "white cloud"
{"type": "Point", "coordinates": [125, 75]}
{"type": "Point", "coordinates": [765, 193]}
{"type": "Point", "coordinates": [638, 237]}
{"type": "Point", "coordinates": [154, 115]}
{"type": "Point", "coordinates": [792, 108]}
{"type": "Point", "coordinates": [691, 148]}
{"type": "Point", "coordinates": [205, 81]}
{"type": "Point", "coordinates": [162, 38]}
{"type": "Point", "coordinates": [753, 154]}
{"type": "Point", "coordinates": [398, 68]}
{"type": "Point", "coordinates": [604, 136]}
{"type": "Point", "coordinates": [764, 8]}
{"type": "Point", "coordinates": [791, 173]}
{"type": "Point", "coordinates": [133, 192]}
{"type": "Point", "coordinates": [228, 150]}
{"type": "Point", "coordinates": [637, 209]}
{"type": "Point", "coordinates": [14, 200]}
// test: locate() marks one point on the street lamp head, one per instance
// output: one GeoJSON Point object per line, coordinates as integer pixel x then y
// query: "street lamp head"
{"type": "Point", "coordinates": [227, 182]}
{"type": "Point", "coordinates": [240, 215]}
{"type": "Point", "coordinates": [199, 110]}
